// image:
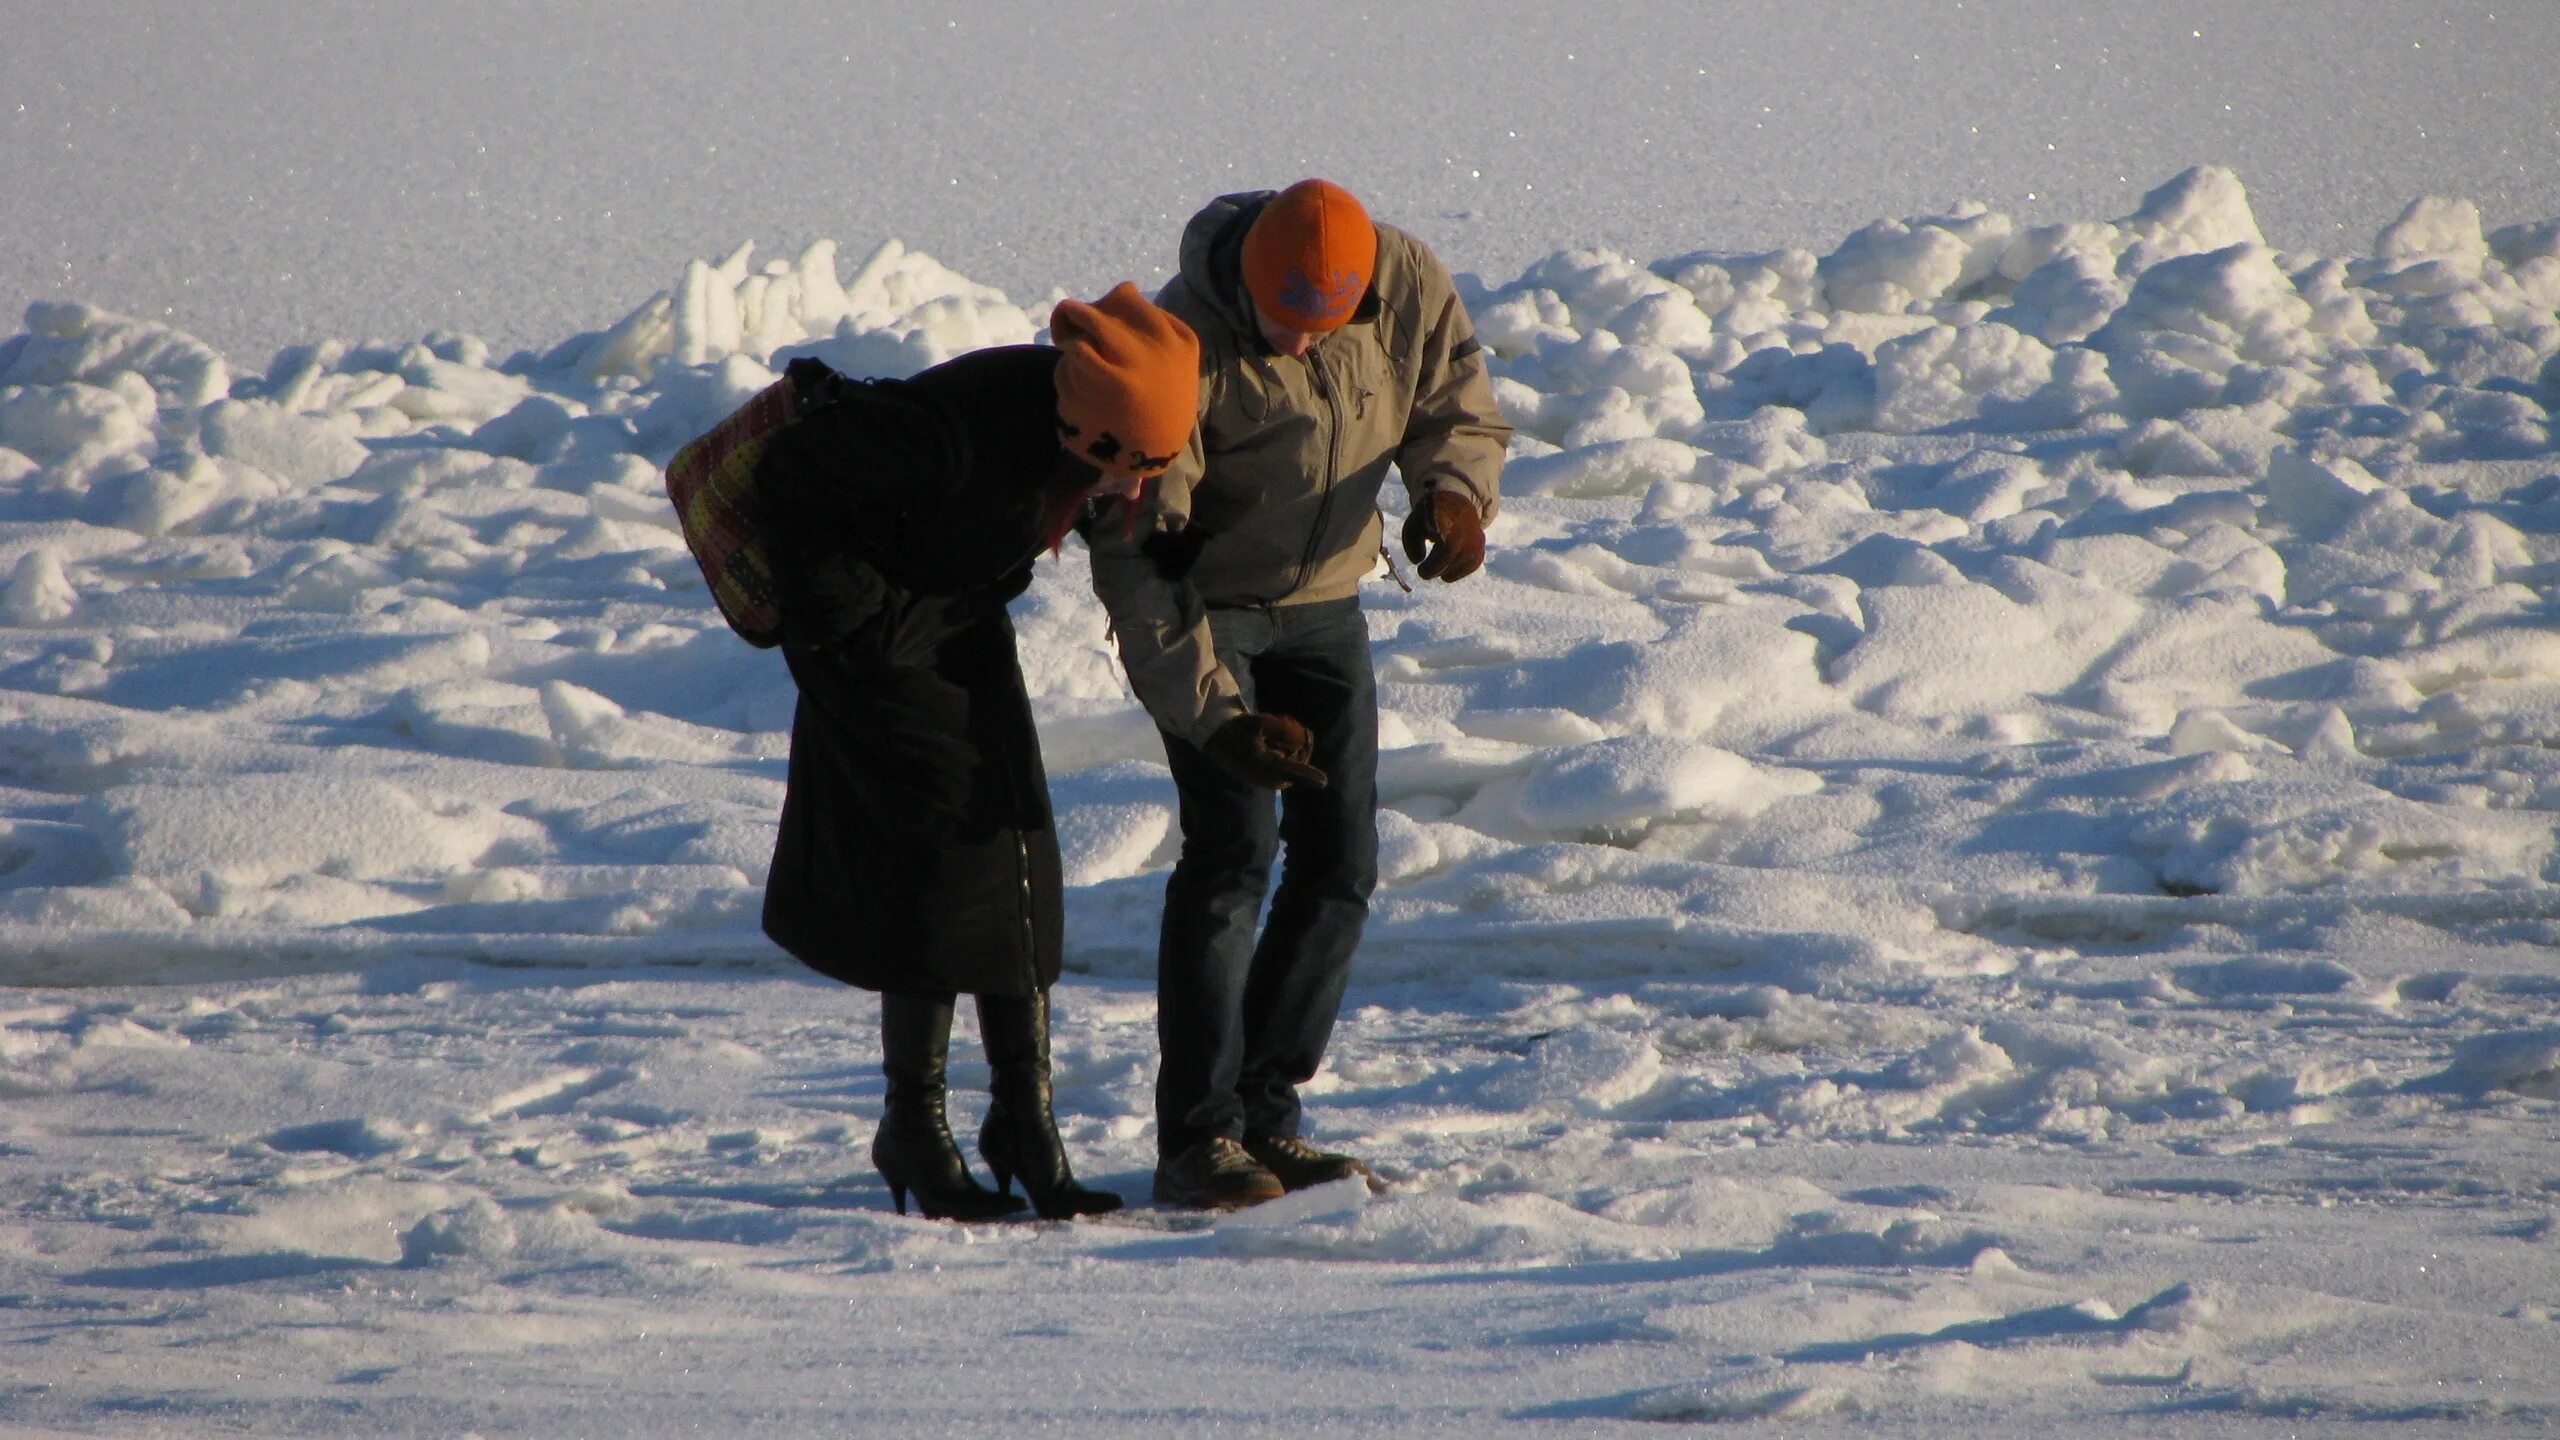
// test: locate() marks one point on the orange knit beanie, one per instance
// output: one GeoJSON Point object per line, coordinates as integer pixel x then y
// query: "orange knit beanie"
{"type": "Point", "coordinates": [1310, 256]}
{"type": "Point", "coordinates": [1128, 381]}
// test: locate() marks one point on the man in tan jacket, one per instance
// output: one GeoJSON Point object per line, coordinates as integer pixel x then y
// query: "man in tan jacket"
{"type": "Point", "coordinates": [1333, 349]}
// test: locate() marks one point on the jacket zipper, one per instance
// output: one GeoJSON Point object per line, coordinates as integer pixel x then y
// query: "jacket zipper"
{"type": "Point", "coordinates": [1333, 469]}
{"type": "Point", "coordinates": [1022, 865]}
{"type": "Point", "coordinates": [1030, 935]}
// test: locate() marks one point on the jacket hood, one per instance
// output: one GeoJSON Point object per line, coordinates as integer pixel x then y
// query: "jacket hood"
{"type": "Point", "coordinates": [1212, 256]}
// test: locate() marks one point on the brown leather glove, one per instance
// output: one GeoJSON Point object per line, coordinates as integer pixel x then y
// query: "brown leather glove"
{"type": "Point", "coordinates": [1266, 750]}
{"type": "Point", "coordinates": [1449, 525]}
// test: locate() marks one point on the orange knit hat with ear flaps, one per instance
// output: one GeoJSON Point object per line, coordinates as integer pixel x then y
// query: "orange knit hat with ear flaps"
{"type": "Point", "coordinates": [1128, 381]}
{"type": "Point", "coordinates": [1310, 256]}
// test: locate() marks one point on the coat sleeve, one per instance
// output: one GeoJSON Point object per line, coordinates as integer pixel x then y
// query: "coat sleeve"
{"type": "Point", "coordinates": [1456, 436]}
{"type": "Point", "coordinates": [1141, 574]}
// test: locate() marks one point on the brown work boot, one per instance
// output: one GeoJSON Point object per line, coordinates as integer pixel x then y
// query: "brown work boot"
{"type": "Point", "coordinates": [1298, 1164]}
{"type": "Point", "coordinates": [1215, 1174]}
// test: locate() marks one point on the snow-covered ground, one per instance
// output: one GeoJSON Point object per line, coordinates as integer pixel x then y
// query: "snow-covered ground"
{"type": "Point", "coordinates": [1978, 862]}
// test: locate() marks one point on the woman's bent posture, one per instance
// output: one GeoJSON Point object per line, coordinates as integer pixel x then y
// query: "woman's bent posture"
{"type": "Point", "coordinates": [916, 855]}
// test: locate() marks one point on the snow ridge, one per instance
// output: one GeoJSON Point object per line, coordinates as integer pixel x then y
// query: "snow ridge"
{"type": "Point", "coordinates": [1842, 597]}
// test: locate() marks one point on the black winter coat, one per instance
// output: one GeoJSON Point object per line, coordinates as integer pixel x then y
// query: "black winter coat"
{"type": "Point", "coordinates": [916, 850]}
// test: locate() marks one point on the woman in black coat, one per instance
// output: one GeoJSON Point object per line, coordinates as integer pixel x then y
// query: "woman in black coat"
{"type": "Point", "coordinates": [916, 855]}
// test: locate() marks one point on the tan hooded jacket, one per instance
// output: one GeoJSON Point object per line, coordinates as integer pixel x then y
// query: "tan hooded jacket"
{"type": "Point", "coordinates": [1275, 500]}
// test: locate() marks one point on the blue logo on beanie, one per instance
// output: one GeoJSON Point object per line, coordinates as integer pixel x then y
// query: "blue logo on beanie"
{"type": "Point", "coordinates": [1326, 299]}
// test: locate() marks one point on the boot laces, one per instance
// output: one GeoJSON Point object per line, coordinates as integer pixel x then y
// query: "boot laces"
{"type": "Point", "coordinates": [1227, 1155]}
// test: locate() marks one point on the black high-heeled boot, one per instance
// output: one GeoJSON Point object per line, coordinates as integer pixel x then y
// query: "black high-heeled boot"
{"type": "Point", "coordinates": [913, 1149]}
{"type": "Point", "coordinates": [1020, 1137]}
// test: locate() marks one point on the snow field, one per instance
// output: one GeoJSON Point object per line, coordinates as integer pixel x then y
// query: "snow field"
{"type": "Point", "coordinates": [1979, 859]}
{"type": "Point", "coordinates": [2239, 1190]}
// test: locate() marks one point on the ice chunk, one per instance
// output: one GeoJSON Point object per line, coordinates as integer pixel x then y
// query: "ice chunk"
{"type": "Point", "coordinates": [476, 1230]}
{"type": "Point", "coordinates": [1898, 265]}
{"type": "Point", "coordinates": [1519, 322]}
{"type": "Point", "coordinates": [77, 428]}
{"type": "Point", "coordinates": [2199, 209]}
{"type": "Point", "coordinates": [1988, 373]}
{"type": "Point", "coordinates": [39, 592]}
{"type": "Point", "coordinates": [2192, 322]}
{"type": "Point", "coordinates": [1112, 821]}
{"type": "Point", "coordinates": [1669, 320]}
{"type": "Point", "coordinates": [2524, 1061]}
{"type": "Point", "coordinates": [2436, 228]}
{"type": "Point", "coordinates": [69, 342]}
{"type": "Point", "coordinates": [301, 450]}
{"type": "Point", "coordinates": [2067, 298]}
{"type": "Point", "coordinates": [1621, 786]}
{"type": "Point", "coordinates": [1596, 286]}
{"type": "Point", "coordinates": [2316, 495]}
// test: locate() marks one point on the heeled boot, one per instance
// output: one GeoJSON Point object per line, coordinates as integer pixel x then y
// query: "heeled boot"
{"type": "Point", "coordinates": [913, 1149]}
{"type": "Point", "coordinates": [1020, 1138]}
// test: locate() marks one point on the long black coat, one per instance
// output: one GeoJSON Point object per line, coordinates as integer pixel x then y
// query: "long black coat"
{"type": "Point", "coordinates": [917, 851]}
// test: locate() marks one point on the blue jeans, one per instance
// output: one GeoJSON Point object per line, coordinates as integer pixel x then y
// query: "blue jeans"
{"type": "Point", "coordinates": [1243, 1022]}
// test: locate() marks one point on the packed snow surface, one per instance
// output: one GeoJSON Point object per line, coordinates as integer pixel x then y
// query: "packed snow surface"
{"type": "Point", "coordinates": [1978, 860]}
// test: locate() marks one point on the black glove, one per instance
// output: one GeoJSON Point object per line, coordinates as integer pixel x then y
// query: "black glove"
{"type": "Point", "coordinates": [842, 606]}
{"type": "Point", "coordinates": [1447, 523]}
{"type": "Point", "coordinates": [1266, 750]}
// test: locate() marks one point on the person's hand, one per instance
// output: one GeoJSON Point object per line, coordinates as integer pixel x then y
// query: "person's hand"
{"type": "Point", "coordinates": [1266, 750]}
{"type": "Point", "coordinates": [1444, 537]}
